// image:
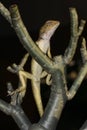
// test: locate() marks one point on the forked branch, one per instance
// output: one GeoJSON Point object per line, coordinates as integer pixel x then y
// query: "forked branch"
{"type": "Point", "coordinates": [56, 67]}
{"type": "Point", "coordinates": [17, 113]}
{"type": "Point", "coordinates": [76, 31]}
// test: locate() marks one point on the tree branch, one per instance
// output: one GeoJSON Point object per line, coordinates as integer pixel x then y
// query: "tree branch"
{"type": "Point", "coordinates": [75, 33]}
{"type": "Point", "coordinates": [17, 113]}
{"type": "Point", "coordinates": [84, 126]}
{"type": "Point", "coordinates": [82, 72]}
{"type": "Point", "coordinates": [14, 17]}
{"type": "Point", "coordinates": [77, 82]}
{"type": "Point", "coordinates": [83, 51]}
{"type": "Point", "coordinates": [5, 12]}
{"type": "Point", "coordinates": [58, 95]}
{"type": "Point", "coordinates": [57, 98]}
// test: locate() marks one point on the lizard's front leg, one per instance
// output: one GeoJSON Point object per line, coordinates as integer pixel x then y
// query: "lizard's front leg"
{"type": "Point", "coordinates": [18, 69]}
{"type": "Point", "coordinates": [48, 77]}
{"type": "Point", "coordinates": [23, 75]}
{"type": "Point", "coordinates": [36, 89]}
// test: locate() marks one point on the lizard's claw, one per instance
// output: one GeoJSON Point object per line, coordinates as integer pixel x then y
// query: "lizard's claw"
{"type": "Point", "coordinates": [16, 95]}
{"type": "Point", "coordinates": [14, 92]}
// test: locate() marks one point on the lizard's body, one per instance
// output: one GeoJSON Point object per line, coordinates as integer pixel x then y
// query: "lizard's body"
{"type": "Point", "coordinates": [36, 71]}
{"type": "Point", "coordinates": [43, 43]}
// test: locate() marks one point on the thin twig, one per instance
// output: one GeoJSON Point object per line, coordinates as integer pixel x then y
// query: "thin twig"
{"type": "Point", "coordinates": [5, 12]}
{"type": "Point", "coordinates": [27, 41]}
{"type": "Point", "coordinates": [76, 31]}
{"type": "Point", "coordinates": [83, 50]}
{"type": "Point", "coordinates": [73, 90]}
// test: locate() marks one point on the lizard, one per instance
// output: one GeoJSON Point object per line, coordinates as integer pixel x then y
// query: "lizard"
{"type": "Point", "coordinates": [43, 42]}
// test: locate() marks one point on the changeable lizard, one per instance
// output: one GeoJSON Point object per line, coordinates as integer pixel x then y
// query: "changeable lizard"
{"type": "Point", "coordinates": [43, 42]}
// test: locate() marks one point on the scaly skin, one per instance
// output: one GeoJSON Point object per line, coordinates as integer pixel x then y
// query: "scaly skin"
{"type": "Point", "coordinates": [43, 43]}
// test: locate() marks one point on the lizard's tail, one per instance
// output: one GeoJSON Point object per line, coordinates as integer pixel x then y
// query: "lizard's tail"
{"type": "Point", "coordinates": [37, 96]}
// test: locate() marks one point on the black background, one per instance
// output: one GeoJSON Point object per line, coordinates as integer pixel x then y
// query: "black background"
{"type": "Point", "coordinates": [34, 14]}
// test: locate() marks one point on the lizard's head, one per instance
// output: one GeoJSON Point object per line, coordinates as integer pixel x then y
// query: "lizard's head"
{"type": "Point", "coordinates": [48, 29]}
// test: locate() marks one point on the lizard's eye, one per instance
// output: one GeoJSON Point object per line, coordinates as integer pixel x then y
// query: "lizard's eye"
{"type": "Point", "coordinates": [48, 23]}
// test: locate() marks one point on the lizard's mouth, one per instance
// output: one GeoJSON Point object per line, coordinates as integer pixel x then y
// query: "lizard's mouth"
{"type": "Point", "coordinates": [52, 29]}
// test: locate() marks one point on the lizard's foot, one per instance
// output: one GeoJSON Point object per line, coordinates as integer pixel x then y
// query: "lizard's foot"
{"type": "Point", "coordinates": [16, 68]}
{"type": "Point", "coordinates": [17, 91]}
{"type": "Point", "coordinates": [48, 79]}
{"type": "Point", "coordinates": [16, 95]}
